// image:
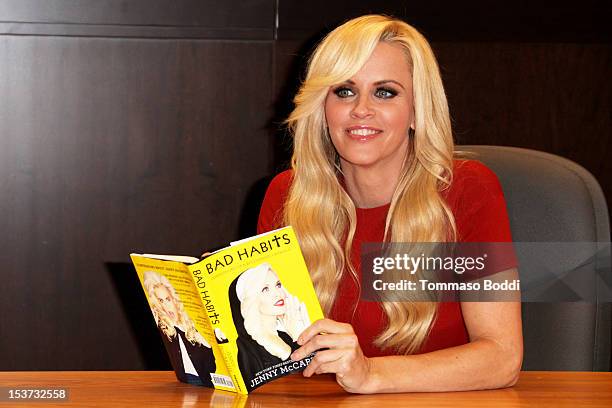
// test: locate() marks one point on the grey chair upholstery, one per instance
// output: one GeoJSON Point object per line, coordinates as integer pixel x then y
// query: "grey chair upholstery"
{"type": "Point", "coordinates": [553, 199]}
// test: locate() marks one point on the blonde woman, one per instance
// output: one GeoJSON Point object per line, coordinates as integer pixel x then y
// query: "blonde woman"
{"type": "Point", "coordinates": [267, 318]}
{"type": "Point", "coordinates": [190, 354]}
{"type": "Point", "coordinates": [373, 161]}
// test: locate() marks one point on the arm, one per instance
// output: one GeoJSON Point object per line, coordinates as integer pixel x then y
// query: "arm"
{"type": "Point", "coordinates": [492, 359]}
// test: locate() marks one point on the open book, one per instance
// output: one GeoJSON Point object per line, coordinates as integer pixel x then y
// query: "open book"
{"type": "Point", "coordinates": [232, 319]}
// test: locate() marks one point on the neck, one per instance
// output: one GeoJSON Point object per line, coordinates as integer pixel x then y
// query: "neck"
{"type": "Point", "coordinates": [269, 322]}
{"type": "Point", "coordinates": [370, 187]}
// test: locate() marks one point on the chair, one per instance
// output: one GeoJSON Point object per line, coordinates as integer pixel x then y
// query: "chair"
{"type": "Point", "coordinates": [553, 199]}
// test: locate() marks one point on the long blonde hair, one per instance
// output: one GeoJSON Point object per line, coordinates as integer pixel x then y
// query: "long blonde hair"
{"type": "Point", "coordinates": [153, 280]}
{"type": "Point", "coordinates": [263, 329]}
{"type": "Point", "coordinates": [317, 205]}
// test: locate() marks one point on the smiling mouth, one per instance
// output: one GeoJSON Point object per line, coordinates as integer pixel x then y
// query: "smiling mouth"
{"type": "Point", "coordinates": [281, 302]}
{"type": "Point", "coordinates": [363, 133]}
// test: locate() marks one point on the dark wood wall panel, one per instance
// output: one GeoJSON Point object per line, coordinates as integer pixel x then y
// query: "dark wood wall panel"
{"type": "Point", "coordinates": [468, 20]}
{"type": "Point", "coordinates": [551, 97]}
{"type": "Point", "coordinates": [205, 13]}
{"type": "Point", "coordinates": [234, 19]}
{"type": "Point", "coordinates": [113, 146]}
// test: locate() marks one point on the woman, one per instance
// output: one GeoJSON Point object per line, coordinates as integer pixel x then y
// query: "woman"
{"type": "Point", "coordinates": [191, 356]}
{"type": "Point", "coordinates": [267, 318]}
{"type": "Point", "coordinates": [374, 161]}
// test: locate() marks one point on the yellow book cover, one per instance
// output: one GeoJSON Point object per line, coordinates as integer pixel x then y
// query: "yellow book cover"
{"type": "Point", "coordinates": [258, 298]}
{"type": "Point", "coordinates": [182, 321]}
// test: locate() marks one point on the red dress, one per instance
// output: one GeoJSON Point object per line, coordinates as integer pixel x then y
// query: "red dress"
{"type": "Point", "coordinates": [477, 202]}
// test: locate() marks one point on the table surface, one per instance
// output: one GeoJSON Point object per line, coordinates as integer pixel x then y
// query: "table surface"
{"type": "Point", "coordinates": [161, 389]}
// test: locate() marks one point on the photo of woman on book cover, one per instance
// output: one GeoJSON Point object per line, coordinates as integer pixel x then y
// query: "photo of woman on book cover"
{"type": "Point", "coordinates": [267, 318]}
{"type": "Point", "coordinates": [191, 356]}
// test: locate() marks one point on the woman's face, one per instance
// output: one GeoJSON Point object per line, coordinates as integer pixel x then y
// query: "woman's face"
{"type": "Point", "coordinates": [369, 115]}
{"type": "Point", "coordinates": [271, 295]}
{"type": "Point", "coordinates": [167, 302]}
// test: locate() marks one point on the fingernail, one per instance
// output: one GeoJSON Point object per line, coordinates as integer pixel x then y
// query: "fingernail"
{"type": "Point", "coordinates": [294, 356]}
{"type": "Point", "coordinates": [300, 340]}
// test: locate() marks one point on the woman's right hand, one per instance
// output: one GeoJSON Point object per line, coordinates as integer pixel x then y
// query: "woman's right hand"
{"type": "Point", "coordinates": [338, 352]}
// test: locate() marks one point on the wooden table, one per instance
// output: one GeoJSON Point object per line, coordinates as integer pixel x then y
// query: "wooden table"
{"type": "Point", "coordinates": [160, 389]}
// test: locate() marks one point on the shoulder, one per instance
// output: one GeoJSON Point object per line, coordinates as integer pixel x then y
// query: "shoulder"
{"type": "Point", "coordinates": [473, 171]}
{"type": "Point", "coordinates": [271, 209]}
{"type": "Point", "coordinates": [472, 181]}
{"type": "Point", "coordinates": [476, 199]}
{"type": "Point", "coordinates": [281, 182]}
{"type": "Point", "coordinates": [277, 191]}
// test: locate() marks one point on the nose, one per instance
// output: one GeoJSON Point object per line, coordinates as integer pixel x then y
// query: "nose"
{"type": "Point", "coordinates": [362, 108]}
{"type": "Point", "coordinates": [279, 292]}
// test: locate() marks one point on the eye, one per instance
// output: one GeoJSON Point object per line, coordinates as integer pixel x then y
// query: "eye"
{"type": "Point", "coordinates": [265, 289]}
{"type": "Point", "coordinates": [385, 93]}
{"type": "Point", "coordinates": [343, 92]}
{"type": "Point", "coordinates": [278, 285]}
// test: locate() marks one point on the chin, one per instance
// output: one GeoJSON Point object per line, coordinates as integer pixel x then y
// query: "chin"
{"type": "Point", "coordinates": [360, 160]}
{"type": "Point", "coordinates": [274, 312]}
{"type": "Point", "coordinates": [280, 313]}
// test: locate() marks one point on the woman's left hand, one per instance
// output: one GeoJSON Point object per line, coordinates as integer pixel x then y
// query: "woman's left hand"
{"type": "Point", "coordinates": [338, 352]}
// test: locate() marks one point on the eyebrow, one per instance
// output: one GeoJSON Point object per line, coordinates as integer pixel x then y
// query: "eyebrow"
{"type": "Point", "coordinates": [382, 82]}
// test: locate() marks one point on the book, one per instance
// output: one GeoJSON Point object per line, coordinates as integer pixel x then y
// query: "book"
{"type": "Point", "coordinates": [232, 319]}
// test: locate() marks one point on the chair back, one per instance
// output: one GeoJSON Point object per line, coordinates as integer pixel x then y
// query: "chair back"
{"type": "Point", "coordinates": [552, 199]}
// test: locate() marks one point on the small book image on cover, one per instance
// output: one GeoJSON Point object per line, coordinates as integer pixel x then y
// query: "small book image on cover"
{"type": "Point", "coordinates": [268, 321]}
{"type": "Point", "coordinates": [191, 355]}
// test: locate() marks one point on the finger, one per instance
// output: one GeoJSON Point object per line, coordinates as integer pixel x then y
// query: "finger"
{"type": "Point", "coordinates": [300, 325]}
{"type": "Point", "coordinates": [290, 304]}
{"type": "Point", "coordinates": [322, 357]}
{"type": "Point", "coordinates": [293, 303]}
{"type": "Point", "coordinates": [300, 316]}
{"type": "Point", "coordinates": [304, 312]}
{"type": "Point", "coordinates": [294, 307]}
{"type": "Point", "coordinates": [324, 326]}
{"type": "Point", "coordinates": [325, 341]}
{"type": "Point", "coordinates": [334, 367]}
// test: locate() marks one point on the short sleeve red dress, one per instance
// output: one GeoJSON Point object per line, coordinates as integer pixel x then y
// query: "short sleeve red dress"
{"type": "Point", "coordinates": [477, 202]}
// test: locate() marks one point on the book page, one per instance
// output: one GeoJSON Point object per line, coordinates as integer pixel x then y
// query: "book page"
{"type": "Point", "coordinates": [177, 258]}
{"type": "Point", "coordinates": [182, 321]}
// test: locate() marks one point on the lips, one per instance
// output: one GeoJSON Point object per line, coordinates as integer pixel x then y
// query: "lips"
{"type": "Point", "coordinates": [363, 133]}
{"type": "Point", "coordinates": [280, 302]}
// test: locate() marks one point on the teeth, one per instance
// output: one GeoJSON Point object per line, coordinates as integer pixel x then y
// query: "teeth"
{"type": "Point", "coordinates": [363, 132]}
